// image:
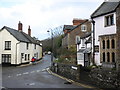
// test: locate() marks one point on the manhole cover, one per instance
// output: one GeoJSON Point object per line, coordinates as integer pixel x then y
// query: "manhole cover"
{"type": "Point", "coordinates": [67, 82]}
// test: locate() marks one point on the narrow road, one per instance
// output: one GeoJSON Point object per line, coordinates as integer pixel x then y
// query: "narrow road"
{"type": "Point", "coordinates": [32, 76]}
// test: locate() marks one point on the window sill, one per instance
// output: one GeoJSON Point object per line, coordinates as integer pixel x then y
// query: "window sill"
{"type": "Point", "coordinates": [109, 25]}
{"type": "Point", "coordinates": [7, 49]}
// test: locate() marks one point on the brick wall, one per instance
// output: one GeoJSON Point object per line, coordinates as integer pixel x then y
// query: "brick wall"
{"type": "Point", "coordinates": [77, 32]}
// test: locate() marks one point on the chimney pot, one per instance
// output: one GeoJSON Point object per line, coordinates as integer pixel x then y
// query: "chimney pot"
{"type": "Point", "coordinates": [20, 26]}
{"type": "Point", "coordinates": [29, 31]}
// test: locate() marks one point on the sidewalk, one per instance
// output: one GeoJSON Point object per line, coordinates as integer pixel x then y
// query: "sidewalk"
{"type": "Point", "coordinates": [81, 83]}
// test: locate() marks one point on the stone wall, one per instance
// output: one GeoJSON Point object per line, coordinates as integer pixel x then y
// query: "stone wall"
{"type": "Point", "coordinates": [105, 78]}
{"type": "Point", "coordinates": [118, 37]}
{"type": "Point", "coordinates": [68, 71]}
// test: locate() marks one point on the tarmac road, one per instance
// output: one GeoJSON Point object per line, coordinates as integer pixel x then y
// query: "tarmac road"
{"type": "Point", "coordinates": [33, 76]}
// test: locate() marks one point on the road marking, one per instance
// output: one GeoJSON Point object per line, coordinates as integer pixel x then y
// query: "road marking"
{"type": "Point", "coordinates": [43, 70]}
{"type": "Point", "coordinates": [32, 71]}
{"type": "Point", "coordinates": [26, 73]}
{"type": "Point", "coordinates": [9, 76]}
{"type": "Point", "coordinates": [38, 71]}
{"type": "Point", "coordinates": [31, 84]}
{"type": "Point", "coordinates": [18, 74]}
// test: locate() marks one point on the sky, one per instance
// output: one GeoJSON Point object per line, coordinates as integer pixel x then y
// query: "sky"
{"type": "Point", "coordinates": [44, 15]}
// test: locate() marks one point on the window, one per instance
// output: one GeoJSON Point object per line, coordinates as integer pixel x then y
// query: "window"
{"type": "Point", "coordinates": [83, 28]}
{"type": "Point", "coordinates": [34, 46]}
{"type": "Point", "coordinates": [77, 39]}
{"type": "Point", "coordinates": [108, 44]}
{"type": "Point", "coordinates": [22, 55]}
{"type": "Point", "coordinates": [7, 45]}
{"type": "Point", "coordinates": [27, 45]}
{"type": "Point", "coordinates": [104, 57]}
{"type": "Point", "coordinates": [113, 44]}
{"type": "Point", "coordinates": [6, 58]}
{"type": "Point", "coordinates": [109, 20]}
{"type": "Point", "coordinates": [83, 42]}
{"type": "Point", "coordinates": [28, 56]}
{"type": "Point", "coordinates": [108, 57]}
{"type": "Point", "coordinates": [113, 57]}
{"type": "Point", "coordinates": [103, 44]}
{"type": "Point", "coordinates": [25, 57]}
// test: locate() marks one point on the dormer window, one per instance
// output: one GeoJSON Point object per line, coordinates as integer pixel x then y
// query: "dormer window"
{"type": "Point", "coordinates": [83, 28]}
{"type": "Point", "coordinates": [109, 20]}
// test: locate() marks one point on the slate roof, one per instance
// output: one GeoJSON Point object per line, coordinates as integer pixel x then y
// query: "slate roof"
{"type": "Point", "coordinates": [20, 36]}
{"type": "Point", "coordinates": [105, 8]}
{"type": "Point", "coordinates": [68, 27]}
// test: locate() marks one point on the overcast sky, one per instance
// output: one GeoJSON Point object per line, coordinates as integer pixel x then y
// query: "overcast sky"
{"type": "Point", "coordinates": [42, 15]}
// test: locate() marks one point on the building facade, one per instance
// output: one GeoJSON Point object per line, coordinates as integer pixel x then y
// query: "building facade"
{"type": "Point", "coordinates": [106, 34]}
{"type": "Point", "coordinates": [71, 32]}
{"type": "Point", "coordinates": [17, 47]}
{"type": "Point", "coordinates": [84, 44]}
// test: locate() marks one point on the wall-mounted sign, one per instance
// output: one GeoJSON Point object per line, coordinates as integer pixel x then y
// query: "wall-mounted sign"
{"type": "Point", "coordinates": [96, 48]}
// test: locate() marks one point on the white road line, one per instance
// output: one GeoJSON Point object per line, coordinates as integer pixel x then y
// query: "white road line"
{"type": "Point", "coordinates": [38, 71]}
{"type": "Point", "coordinates": [9, 76]}
{"type": "Point", "coordinates": [26, 73]}
{"type": "Point", "coordinates": [18, 74]}
{"type": "Point", "coordinates": [32, 84]}
{"type": "Point", "coordinates": [32, 71]}
{"type": "Point", "coordinates": [43, 70]}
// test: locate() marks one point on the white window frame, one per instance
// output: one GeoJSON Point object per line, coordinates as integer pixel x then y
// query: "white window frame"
{"type": "Point", "coordinates": [83, 28]}
{"type": "Point", "coordinates": [109, 22]}
{"type": "Point", "coordinates": [77, 40]}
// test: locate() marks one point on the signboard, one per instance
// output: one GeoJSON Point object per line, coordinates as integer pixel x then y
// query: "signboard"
{"type": "Point", "coordinates": [74, 67]}
{"type": "Point", "coordinates": [96, 48]}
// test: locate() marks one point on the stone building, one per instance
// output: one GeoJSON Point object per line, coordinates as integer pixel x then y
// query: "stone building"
{"type": "Point", "coordinates": [107, 34]}
{"type": "Point", "coordinates": [70, 33]}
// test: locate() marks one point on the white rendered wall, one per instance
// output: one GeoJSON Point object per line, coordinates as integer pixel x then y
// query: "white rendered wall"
{"type": "Point", "coordinates": [100, 29]}
{"type": "Point", "coordinates": [6, 36]}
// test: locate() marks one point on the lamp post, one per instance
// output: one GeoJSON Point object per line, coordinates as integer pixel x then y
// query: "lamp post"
{"type": "Point", "coordinates": [51, 46]}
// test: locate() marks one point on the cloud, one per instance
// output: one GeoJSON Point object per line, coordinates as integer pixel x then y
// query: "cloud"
{"type": "Point", "coordinates": [43, 14]}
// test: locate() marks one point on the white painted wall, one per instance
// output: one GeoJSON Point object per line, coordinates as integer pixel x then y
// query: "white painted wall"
{"type": "Point", "coordinates": [17, 48]}
{"type": "Point", "coordinates": [6, 36]}
{"type": "Point", "coordinates": [100, 29]}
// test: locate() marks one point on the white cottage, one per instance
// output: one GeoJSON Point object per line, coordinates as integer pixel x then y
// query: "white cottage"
{"type": "Point", "coordinates": [84, 48]}
{"type": "Point", "coordinates": [105, 33]}
{"type": "Point", "coordinates": [17, 47]}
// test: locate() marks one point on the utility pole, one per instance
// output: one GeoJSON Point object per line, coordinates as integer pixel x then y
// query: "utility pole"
{"type": "Point", "coordinates": [51, 46]}
{"type": "Point", "coordinates": [93, 23]}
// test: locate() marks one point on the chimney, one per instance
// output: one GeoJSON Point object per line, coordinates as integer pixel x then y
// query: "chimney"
{"type": "Point", "coordinates": [29, 31]}
{"type": "Point", "coordinates": [20, 26]}
{"type": "Point", "coordinates": [77, 21]}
